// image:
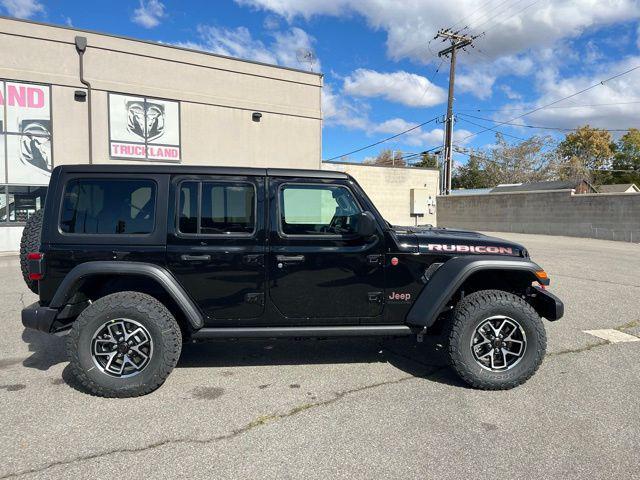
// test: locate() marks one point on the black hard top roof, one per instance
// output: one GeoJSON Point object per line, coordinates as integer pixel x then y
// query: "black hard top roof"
{"type": "Point", "coordinates": [201, 170]}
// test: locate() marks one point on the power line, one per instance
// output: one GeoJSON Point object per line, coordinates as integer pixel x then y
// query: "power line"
{"type": "Point", "coordinates": [511, 16]}
{"type": "Point", "coordinates": [561, 129]}
{"type": "Point", "coordinates": [490, 160]}
{"type": "Point", "coordinates": [430, 82]}
{"type": "Point", "coordinates": [477, 27]}
{"type": "Point", "coordinates": [383, 140]}
{"type": "Point", "coordinates": [550, 108]}
{"type": "Point", "coordinates": [486, 4]}
{"type": "Point", "coordinates": [494, 129]}
{"type": "Point", "coordinates": [602, 82]}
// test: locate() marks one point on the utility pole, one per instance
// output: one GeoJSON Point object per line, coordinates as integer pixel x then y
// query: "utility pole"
{"type": "Point", "coordinates": [457, 42]}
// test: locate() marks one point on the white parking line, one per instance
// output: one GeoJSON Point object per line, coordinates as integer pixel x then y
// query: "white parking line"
{"type": "Point", "coordinates": [613, 336]}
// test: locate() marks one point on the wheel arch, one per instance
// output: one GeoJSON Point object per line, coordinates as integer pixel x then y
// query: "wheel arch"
{"type": "Point", "coordinates": [472, 273]}
{"type": "Point", "coordinates": [93, 279]}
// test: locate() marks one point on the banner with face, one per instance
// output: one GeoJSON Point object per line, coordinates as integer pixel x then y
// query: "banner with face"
{"type": "Point", "coordinates": [144, 128]}
{"type": "Point", "coordinates": [27, 134]}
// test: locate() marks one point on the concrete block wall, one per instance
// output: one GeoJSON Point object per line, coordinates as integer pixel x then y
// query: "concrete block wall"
{"type": "Point", "coordinates": [390, 189]}
{"type": "Point", "coordinates": [609, 216]}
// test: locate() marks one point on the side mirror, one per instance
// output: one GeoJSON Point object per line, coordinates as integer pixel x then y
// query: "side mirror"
{"type": "Point", "coordinates": [366, 226]}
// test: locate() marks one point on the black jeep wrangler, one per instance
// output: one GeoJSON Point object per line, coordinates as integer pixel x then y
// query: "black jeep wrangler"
{"type": "Point", "coordinates": [130, 261]}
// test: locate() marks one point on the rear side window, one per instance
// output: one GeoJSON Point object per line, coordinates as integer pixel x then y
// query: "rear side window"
{"type": "Point", "coordinates": [108, 207]}
{"type": "Point", "coordinates": [216, 208]}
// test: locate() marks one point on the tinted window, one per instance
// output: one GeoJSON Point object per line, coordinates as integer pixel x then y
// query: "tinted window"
{"type": "Point", "coordinates": [188, 208]}
{"type": "Point", "coordinates": [108, 206]}
{"type": "Point", "coordinates": [225, 208]}
{"type": "Point", "coordinates": [317, 210]}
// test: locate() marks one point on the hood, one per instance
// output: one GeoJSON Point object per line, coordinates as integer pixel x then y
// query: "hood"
{"type": "Point", "coordinates": [459, 242]}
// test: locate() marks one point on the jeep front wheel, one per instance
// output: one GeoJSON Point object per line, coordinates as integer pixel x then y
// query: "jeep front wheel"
{"type": "Point", "coordinates": [496, 340]}
{"type": "Point", "coordinates": [124, 345]}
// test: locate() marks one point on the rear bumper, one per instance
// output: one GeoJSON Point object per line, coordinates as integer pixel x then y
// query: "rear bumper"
{"type": "Point", "coordinates": [548, 305]}
{"type": "Point", "coordinates": [40, 318]}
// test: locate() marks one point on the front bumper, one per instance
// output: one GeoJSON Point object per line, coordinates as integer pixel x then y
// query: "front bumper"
{"type": "Point", "coordinates": [547, 304]}
{"type": "Point", "coordinates": [38, 317]}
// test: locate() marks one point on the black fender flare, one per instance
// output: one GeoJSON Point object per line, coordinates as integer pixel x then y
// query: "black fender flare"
{"type": "Point", "coordinates": [161, 276]}
{"type": "Point", "coordinates": [449, 278]}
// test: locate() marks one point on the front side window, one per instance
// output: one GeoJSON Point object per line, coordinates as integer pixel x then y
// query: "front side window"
{"type": "Point", "coordinates": [216, 208]}
{"type": "Point", "coordinates": [108, 207]}
{"type": "Point", "coordinates": [317, 210]}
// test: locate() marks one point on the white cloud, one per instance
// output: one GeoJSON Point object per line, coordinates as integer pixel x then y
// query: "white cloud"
{"type": "Point", "coordinates": [510, 93]}
{"type": "Point", "coordinates": [420, 137]}
{"type": "Point", "coordinates": [149, 14]}
{"type": "Point", "coordinates": [400, 87]}
{"type": "Point", "coordinates": [284, 49]}
{"type": "Point", "coordinates": [22, 8]}
{"type": "Point", "coordinates": [338, 111]}
{"type": "Point", "coordinates": [573, 112]}
{"type": "Point", "coordinates": [411, 25]}
{"type": "Point", "coordinates": [513, 33]}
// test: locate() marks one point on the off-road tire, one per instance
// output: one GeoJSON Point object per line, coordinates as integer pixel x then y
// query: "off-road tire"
{"type": "Point", "coordinates": [469, 314]}
{"type": "Point", "coordinates": [144, 309]}
{"type": "Point", "coordinates": [30, 242]}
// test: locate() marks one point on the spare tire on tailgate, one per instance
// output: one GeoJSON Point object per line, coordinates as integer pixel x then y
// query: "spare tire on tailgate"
{"type": "Point", "coordinates": [30, 242]}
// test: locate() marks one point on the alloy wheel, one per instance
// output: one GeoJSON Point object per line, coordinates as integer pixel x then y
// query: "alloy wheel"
{"type": "Point", "coordinates": [121, 348]}
{"type": "Point", "coordinates": [498, 343]}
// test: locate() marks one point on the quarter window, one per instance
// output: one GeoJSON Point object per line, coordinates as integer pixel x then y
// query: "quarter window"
{"type": "Point", "coordinates": [216, 208]}
{"type": "Point", "coordinates": [317, 210]}
{"type": "Point", "coordinates": [108, 207]}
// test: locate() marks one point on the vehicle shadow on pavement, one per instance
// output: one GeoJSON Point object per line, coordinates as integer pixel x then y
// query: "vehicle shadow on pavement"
{"type": "Point", "coordinates": [46, 350]}
{"type": "Point", "coordinates": [425, 360]}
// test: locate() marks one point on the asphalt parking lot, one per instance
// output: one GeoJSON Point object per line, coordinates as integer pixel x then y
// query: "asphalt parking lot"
{"type": "Point", "coordinates": [356, 408]}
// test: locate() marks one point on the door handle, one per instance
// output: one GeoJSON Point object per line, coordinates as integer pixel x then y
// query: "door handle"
{"type": "Point", "coordinates": [290, 258]}
{"type": "Point", "coordinates": [195, 258]}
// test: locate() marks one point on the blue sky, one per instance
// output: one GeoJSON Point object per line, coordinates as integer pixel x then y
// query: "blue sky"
{"type": "Point", "coordinates": [379, 63]}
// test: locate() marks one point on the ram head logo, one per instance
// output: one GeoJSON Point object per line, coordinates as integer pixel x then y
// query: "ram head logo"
{"type": "Point", "coordinates": [145, 119]}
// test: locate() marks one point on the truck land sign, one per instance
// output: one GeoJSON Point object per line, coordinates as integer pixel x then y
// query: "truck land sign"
{"type": "Point", "coordinates": [144, 128]}
{"type": "Point", "coordinates": [25, 133]}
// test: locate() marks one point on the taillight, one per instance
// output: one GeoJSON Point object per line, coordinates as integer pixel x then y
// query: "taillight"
{"type": "Point", "coordinates": [36, 267]}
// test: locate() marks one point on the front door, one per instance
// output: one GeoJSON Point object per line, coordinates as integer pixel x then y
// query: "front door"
{"type": "Point", "coordinates": [320, 271]}
{"type": "Point", "coordinates": [216, 245]}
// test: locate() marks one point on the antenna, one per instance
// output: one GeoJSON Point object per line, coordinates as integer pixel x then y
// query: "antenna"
{"type": "Point", "coordinates": [305, 55]}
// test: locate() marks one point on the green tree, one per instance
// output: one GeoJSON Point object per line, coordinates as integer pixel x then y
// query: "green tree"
{"type": "Point", "coordinates": [388, 158]}
{"type": "Point", "coordinates": [427, 160]}
{"type": "Point", "coordinates": [583, 152]}
{"type": "Point", "coordinates": [470, 175]}
{"type": "Point", "coordinates": [528, 161]}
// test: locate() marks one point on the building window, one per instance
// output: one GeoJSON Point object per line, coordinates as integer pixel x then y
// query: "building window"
{"type": "Point", "coordinates": [22, 202]}
{"type": "Point", "coordinates": [108, 207]}
{"type": "Point", "coordinates": [26, 153]}
{"type": "Point", "coordinates": [143, 128]}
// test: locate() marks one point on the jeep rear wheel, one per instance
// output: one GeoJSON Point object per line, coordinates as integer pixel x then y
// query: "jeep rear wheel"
{"type": "Point", "coordinates": [30, 243]}
{"type": "Point", "coordinates": [496, 340]}
{"type": "Point", "coordinates": [124, 345]}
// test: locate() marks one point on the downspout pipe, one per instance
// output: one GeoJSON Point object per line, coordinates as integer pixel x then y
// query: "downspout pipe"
{"type": "Point", "coordinates": [81, 48]}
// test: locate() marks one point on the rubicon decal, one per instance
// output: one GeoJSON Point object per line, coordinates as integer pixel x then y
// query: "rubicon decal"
{"type": "Point", "coordinates": [434, 247]}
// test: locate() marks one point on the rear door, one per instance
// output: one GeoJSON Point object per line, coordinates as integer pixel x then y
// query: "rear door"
{"type": "Point", "coordinates": [320, 272]}
{"type": "Point", "coordinates": [215, 245]}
